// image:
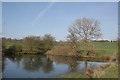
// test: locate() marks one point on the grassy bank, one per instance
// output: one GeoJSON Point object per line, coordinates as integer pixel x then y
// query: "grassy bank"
{"type": "Point", "coordinates": [101, 49]}
{"type": "Point", "coordinates": [109, 72]}
{"type": "Point", "coordinates": [106, 71]}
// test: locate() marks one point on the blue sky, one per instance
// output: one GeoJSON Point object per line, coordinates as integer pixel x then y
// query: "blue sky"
{"type": "Point", "coordinates": [30, 18]}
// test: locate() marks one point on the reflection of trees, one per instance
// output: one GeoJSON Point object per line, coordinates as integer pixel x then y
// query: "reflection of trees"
{"type": "Point", "coordinates": [18, 59]}
{"type": "Point", "coordinates": [48, 66]}
{"type": "Point", "coordinates": [12, 58]}
{"type": "Point", "coordinates": [72, 62]}
{"type": "Point", "coordinates": [15, 58]}
{"type": "Point", "coordinates": [73, 65]}
{"type": "Point", "coordinates": [86, 64]}
{"type": "Point", "coordinates": [32, 63]}
{"type": "Point", "coordinates": [91, 65]}
{"type": "Point", "coordinates": [3, 63]}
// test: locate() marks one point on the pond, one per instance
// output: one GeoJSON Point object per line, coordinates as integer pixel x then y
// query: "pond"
{"type": "Point", "coordinates": [40, 66]}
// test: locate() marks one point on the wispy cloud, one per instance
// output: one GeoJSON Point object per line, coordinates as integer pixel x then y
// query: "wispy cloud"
{"type": "Point", "coordinates": [41, 13]}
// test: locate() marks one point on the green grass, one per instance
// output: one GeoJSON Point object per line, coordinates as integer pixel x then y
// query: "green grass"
{"type": "Point", "coordinates": [102, 48]}
{"type": "Point", "coordinates": [8, 44]}
{"type": "Point", "coordinates": [106, 48]}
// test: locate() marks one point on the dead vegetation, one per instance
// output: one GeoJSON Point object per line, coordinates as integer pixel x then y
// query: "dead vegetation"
{"type": "Point", "coordinates": [61, 50]}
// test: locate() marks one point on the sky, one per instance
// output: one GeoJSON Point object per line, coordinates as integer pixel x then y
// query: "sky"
{"type": "Point", "coordinates": [21, 19]}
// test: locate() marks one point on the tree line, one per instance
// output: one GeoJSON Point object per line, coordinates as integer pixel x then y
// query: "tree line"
{"type": "Point", "coordinates": [30, 44]}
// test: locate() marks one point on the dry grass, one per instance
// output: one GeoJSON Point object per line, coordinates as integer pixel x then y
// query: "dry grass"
{"type": "Point", "coordinates": [61, 50]}
{"type": "Point", "coordinates": [114, 57]}
{"type": "Point", "coordinates": [106, 71]}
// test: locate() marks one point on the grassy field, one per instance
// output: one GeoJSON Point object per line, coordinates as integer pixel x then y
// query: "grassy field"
{"type": "Point", "coordinates": [103, 48]}
{"type": "Point", "coordinates": [107, 48]}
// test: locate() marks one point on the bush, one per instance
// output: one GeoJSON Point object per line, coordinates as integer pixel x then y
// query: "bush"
{"type": "Point", "coordinates": [36, 44]}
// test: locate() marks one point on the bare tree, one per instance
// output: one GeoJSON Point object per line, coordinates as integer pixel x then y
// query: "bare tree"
{"type": "Point", "coordinates": [85, 29]}
{"type": "Point", "coordinates": [72, 37]}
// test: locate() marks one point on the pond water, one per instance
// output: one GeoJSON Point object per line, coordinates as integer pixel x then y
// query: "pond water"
{"type": "Point", "coordinates": [39, 66]}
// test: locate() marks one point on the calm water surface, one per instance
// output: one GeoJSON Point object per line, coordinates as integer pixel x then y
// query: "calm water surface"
{"type": "Point", "coordinates": [39, 66]}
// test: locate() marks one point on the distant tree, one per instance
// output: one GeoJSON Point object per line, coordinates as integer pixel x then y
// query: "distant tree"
{"type": "Point", "coordinates": [48, 41]}
{"type": "Point", "coordinates": [37, 44]}
{"type": "Point", "coordinates": [85, 29]}
{"type": "Point", "coordinates": [32, 44]}
{"type": "Point", "coordinates": [3, 44]}
{"type": "Point", "coordinates": [48, 37]}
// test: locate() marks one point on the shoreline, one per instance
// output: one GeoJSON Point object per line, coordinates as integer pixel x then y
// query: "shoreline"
{"type": "Point", "coordinates": [101, 72]}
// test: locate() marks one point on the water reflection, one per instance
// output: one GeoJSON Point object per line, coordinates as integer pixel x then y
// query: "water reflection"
{"type": "Point", "coordinates": [71, 62]}
{"type": "Point", "coordinates": [48, 66]}
{"type": "Point", "coordinates": [32, 63]}
{"type": "Point", "coordinates": [44, 66]}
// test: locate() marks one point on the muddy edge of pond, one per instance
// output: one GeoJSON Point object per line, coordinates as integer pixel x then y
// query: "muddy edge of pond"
{"type": "Point", "coordinates": [95, 57]}
{"type": "Point", "coordinates": [99, 59]}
